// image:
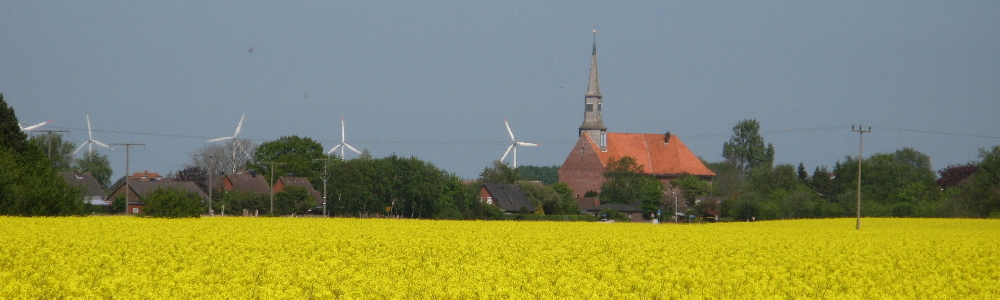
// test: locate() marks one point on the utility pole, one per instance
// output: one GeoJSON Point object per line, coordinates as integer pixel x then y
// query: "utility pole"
{"type": "Point", "coordinates": [128, 147]}
{"type": "Point", "coordinates": [211, 168]}
{"type": "Point", "coordinates": [272, 184]}
{"type": "Point", "coordinates": [325, 161]}
{"type": "Point", "coordinates": [861, 148]}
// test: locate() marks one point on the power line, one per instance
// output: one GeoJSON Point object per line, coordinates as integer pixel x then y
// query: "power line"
{"type": "Point", "coordinates": [938, 132]}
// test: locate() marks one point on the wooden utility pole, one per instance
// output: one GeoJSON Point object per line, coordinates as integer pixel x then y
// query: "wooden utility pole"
{"type": "Point", "coordinates": [861, 149]}
{"type": "Point", "coordinates": [211, 168]}
{"type": "Point", "coordinates": [128, 147]}
{"type": "Point", "coordinates": [272, 184]}
{"type": "Point", "coordinates": [48, 138]}
{"type": "Point", "coordinates": [325, 161]}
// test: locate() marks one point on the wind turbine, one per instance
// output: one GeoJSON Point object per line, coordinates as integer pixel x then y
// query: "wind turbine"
{"type": "Point", "coordinates": [514, 144]}
{"type": "Point", "coordinates": [343, 144]}
{"type": "Point", "coordinates": [32, 127]}
{"type": "Point", "coordinates": [90, 140]}
{"type": "Point", "coordinates": [237, 146]}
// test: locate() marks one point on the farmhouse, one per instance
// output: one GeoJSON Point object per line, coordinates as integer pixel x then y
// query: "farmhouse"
{"type": "Point", "coordinates": [662, 155]}
{"type": "Point", "coordinates": [509, 197]}
{"type": "Point", "coordinates": [93, 191]}
{"type": "Point", "coordinates": [141, 184]}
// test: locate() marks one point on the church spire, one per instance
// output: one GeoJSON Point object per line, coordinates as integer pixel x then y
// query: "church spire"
{"type": "Point", "coordinates": [593, 124]}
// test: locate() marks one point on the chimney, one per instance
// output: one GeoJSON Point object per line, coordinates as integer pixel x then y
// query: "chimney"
{"type": "Point", "coordinates": [666, 138]}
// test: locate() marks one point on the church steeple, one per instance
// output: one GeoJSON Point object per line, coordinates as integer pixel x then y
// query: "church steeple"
{"type": "Point", "coordinates": [593, 125]}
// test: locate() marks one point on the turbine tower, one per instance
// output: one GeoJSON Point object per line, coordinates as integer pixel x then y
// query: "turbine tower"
{"type": "Point", "coordinates": [343, 144]}
{"type": "Point", "coordinates": [90, 140]}
{"type": "Point", "coordinates": [514, 144]}
{"type": "Point", "coordinates": [237, 144]}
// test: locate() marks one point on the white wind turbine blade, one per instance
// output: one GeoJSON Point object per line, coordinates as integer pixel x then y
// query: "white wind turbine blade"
{"type": "Point", "coordinates": [352, 148]}
{"type": "Point", "coordinates": [508, 152]}
{"type": "Point", "coordinates": [81, 147]}
{"type": "Point", "coordinates": [526, 144]}
{"type": "Point", "coordinates": [508, 130]}
{"type": "Point", "coordinates": [29, 128]}
{"type": "Point", "coordinates": [102, 144]}
{"type": "Point", "coordinates": [220, 139]}
{"type": "Point", "coordinates": [239, 126]}
{"type": "Point", "coordinates": [334, 149]}
{"type": "Point", "coordinates": [90, 136]}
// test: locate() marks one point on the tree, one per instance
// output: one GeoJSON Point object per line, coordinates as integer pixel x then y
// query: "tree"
{"type": "Point", "coordinates": [297, 155]}
{"type": "Point", "coordinates": [56, 149]}
{"type": "Point", "coordinates": [746, 147]}
{"type": "Point", "coordinates": [691, 187]}
{"type": "Point", "coordinates": [567, 197]}
{"type": "Point", "coordinates": [547, 175]}
{"type": "Point", "coordinates": [801, 172]}
{"type": "Point", "coordinates": [625, 183]}
{"type": "Point", "coordinates": [195, 174]}
{"type": "Point", "coordinates": [173, 203]}
{"type": "Point", "coordinates": [499, 173]}
{"type": "Point", "coordinates": [11, 136]}
{"type": "Point", "coordinates": [954, 174]}
{"type": "Point", "coordinates": [889, 182]}
{"type": "Point", "coordinates": [980, 193]}
{"type": "Point", "coordinates": [293, 200]}
{"type": "Point", "coordinates": [97, 165]}
{"type": "Point", "coordinates": [29, 186]}
{"type": "Point", "coordinates": [221, 158]}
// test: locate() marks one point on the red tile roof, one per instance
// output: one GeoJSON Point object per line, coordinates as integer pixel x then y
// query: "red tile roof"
{"type": "Point", "coordinates": [650, 151]}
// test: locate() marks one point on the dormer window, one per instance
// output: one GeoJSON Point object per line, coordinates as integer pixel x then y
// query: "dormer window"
{"type": "Point", "coordinates": [604, 139]}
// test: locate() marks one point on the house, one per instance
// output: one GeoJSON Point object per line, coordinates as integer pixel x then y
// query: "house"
{"type": "Point", "coordinates": [244, 182]}
{"type": "Point", "coordinates": [139, 188]}
{"type": "Point", "coordinates": [662, 155]}
{"type": "Point", "coordinates": [299, 182]}
{"type": "Point", "coordinates": [508, 197]}
{"type": "Point", "coordinates": [93, 191]}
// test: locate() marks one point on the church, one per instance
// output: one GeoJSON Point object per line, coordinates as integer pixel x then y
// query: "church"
{"type": "Point", "coordinates": [662, 155]}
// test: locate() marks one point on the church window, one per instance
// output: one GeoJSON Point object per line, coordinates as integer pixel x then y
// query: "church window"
{"type": "Point", "coordinates": [598, 107]}
{"type": "Point", "coordinates": [604, 139]}
{"type": "Point", "coordinates": [590, 107]}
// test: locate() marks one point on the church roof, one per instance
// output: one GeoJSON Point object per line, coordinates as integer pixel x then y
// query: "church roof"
{"type": "Point", "coordinates": [650, 151]}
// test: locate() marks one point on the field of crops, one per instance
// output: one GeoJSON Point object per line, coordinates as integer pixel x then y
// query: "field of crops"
{"type": "Point", "coordinates": [126, 257]}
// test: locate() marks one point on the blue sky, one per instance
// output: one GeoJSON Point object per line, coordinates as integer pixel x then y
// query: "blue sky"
{"type": "Point", "coordinates": [436, 79]}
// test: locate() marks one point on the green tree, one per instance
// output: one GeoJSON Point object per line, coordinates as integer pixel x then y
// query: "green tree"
{"type": "Point", "coordinates": [29, 186]}
{"type": "Point", "coordinates": [567, 198]}
{"type": "Point", "coordinates": [297, 155]}
{"type": "Point", "coordinates": [746, 148]}
{"type": "Point", "coordinates": [293, 200]}
{"type": "Point", "coordinates": [625, 183]}
{"type": "Point", "coordinates": [11, 136]}
{"type": "Point", "coordinates": [236, 202]}
{"type": "Point", "coordinates": [173, 203]}
{"type": "Point", "coordinates": [889, 182]}
{"type": "Point", "coordinates": [547, 175]}
{"type": "Point", "coordinates": [97, 165]}
{"type": "Point", "coordinates": [691, 187]}
{"type": "Point", "coordinates": [979, 194]}
{"type": "Point", "coordinates": [56, 149]}
{"type": "Point", "coordinates": [499, 173]}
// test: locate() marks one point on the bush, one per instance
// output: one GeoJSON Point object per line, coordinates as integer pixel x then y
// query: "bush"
{"type": "Point", "coordinates": [173, 203]}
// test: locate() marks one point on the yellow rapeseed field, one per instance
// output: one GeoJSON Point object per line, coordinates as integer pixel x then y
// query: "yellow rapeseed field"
{"type": "Point", "coordinates": [126, 257]}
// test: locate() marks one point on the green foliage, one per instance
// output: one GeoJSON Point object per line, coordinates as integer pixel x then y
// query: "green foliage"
{"type": "Point", "coordinates": [624, 183]}
{"type": "Point", "coordinates": [293, 200]}
{"type": "Point", "coordinates": [118, 205]}
{"type": "Point", "coordinates": [499, 173]}
{"type": "Point", "coordinates": [551, 201]}
{"type": "Point", "coordinates": [691, 187]}
{"type": "Point", "coordinates": [60, 152]}
{"type": "Point", "coordinates": [979, 194]}
{"type": "Point", "coordinates": [567, 199]}
{"type": "Point", "coordinates": [97, 165]}
{"type": "Point", "coordinates": [173, 203]}
{"type": "Point", "coordinates": [29, 186]}
{"type": "Point", "coordinates": [611, 214]}
{"type": "Point", "coordinates": [297, 155]}
{"type": "Point", "coordinates": [236, 202]}
{"type": "Point", "coordinates": [889, 179]}
{"type": "Point", "coordinates": [746, 147]}
{"type": "Point", "coordinates": [547, 175]}
{"type": "Point", "coordinates": [11, 136]}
